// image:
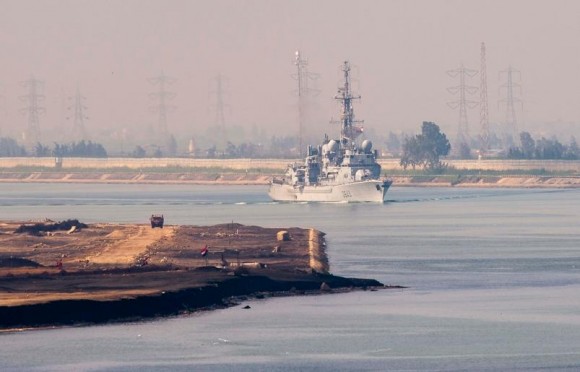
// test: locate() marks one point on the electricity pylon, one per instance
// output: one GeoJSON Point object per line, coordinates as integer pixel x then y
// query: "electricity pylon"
{"type": "Point", "coordinates": [304, 92]}
{"type": "Point", "coordinates": [33, 109]}
{"type": "Point", "coordinates": [462, 103]}
{"type": "Point", "coordinates": [510, 123]}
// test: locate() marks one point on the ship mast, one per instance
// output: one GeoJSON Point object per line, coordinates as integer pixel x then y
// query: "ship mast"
{"type": "Point", "coordinates": [348, 131]}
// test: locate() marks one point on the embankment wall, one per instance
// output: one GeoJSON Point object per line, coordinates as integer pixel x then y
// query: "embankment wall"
{"type": "Point", "coordinates": [275, 165]}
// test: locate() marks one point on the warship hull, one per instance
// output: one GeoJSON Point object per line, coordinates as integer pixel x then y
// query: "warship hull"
{"type": "Point", "coordinates": [360, 191]}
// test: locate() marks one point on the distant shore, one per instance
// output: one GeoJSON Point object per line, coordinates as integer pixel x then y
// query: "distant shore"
{"type": "Point", "coordinates": [246, 178]}
{"type": "Point", "coordinates": [203, 171]}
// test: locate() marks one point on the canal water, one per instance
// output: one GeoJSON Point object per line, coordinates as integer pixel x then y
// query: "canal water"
{"type": "Point", "coordinates": [493, 279]}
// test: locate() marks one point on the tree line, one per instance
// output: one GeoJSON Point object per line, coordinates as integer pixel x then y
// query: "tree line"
{"type": "Point", "coordinates": [543, 149]}
{"type": "Point", "coordinates": [424, 150]}
{"type": "Point", "coordinates": [85, 149]}
{"type": "Point", "coordinates": [419, 151]}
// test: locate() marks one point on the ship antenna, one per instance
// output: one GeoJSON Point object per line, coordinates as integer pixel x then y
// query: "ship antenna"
{"type": "Point", "coordinates": [348, 131]}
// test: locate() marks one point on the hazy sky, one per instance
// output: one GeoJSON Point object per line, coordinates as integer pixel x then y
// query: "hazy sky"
{"type": "Point", "coordinates": [401, 50]}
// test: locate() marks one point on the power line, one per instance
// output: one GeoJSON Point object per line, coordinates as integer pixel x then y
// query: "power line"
{"type": "Point", "coordinates": [161, 97]}
{"type": "Point", "coordinates": [462, 103]}
{"type": "Point", "coordinates": [483, 102]}
{"type": "Point", "coordinates": [220, 81]}
{"type": "Point", "coordinates": [511, 123]}
{"type": "Point", "coordinates": [33, 109]}
{"type": "Point", "coordinates": [78, 129]}
{"type": "Point", "coordinates": [304, 92]}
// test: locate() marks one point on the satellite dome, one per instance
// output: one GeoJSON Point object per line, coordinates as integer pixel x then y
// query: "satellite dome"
{"type": "Point", "coordinates": [333, 146]}
{"type": "Point", "coordinates": [367, 146]}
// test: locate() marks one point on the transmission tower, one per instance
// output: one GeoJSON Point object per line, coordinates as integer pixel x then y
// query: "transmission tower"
{"type": "Point", "coordinates": [462, 103]}
{"type": "Point", "coordinates": [33, 109]}
{"type": "Point", "coordinates": [78, 130]}
{"type": "Point", "coordinates": [161, 97]}
{"type": "Point", "coordinates": [511, 124]}
{"type": "Point", "coordinates": [219, 107]}
{"type": "Point", "coordinates": [302, 76]}
{"type": "Point", "coordinates": [483, 104]}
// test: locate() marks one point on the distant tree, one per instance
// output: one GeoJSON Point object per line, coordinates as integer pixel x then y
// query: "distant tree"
{"type": "Point", "coordinates": [515, 153]}
{"type": "Point", "coordinates": [211, 152]}
{"type": "Point", "coordinates": [549, 149]}
{"type": "Point", "coordinates": [97, 150]}
{"type": "Point", "coordinates": [10, 148]}
{"type": "Point", "coordinates": [248, 150]}
{"type": "Point", "coordinates": [412, 154]}
{"type": "Point", "coordinates": [60, 150]}
{"type": "Point", "coordinates": [138, 152]}
{"type": "Point", "coordinates": [528, 145]}
{"type": "Point", "coordinates": [572, 151]}
{"type": "Point", "coordinates": [41, 150]}
{"type": "Point", "coordinates": [543, 149]}
{"type": "Point", "coordinates": [158, 153]}
{"type": "Point", "coordinates": [464, 151]}
{"type": "Point", "coordinates": [493, 141]}
{"type": "Point", "coordinates": [393, 143]}
{"type": "Point", "coordinates": [231, 150]}
{"type": "Point", "coordinates": [425, 149]}
{"type": "Point", "coordinates": [171, 146]}
{"type": "Point", "coordinates": [507, 141]}
{"type": "Point", "coordinates": [283, 146]}
{"type": "Point", "coordinates": [80, 149]}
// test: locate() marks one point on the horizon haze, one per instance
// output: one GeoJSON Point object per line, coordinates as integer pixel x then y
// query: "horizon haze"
{"type": "Point", "coordinates": [401, 52]}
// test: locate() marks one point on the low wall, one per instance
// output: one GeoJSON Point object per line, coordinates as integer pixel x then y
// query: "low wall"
{"type": "Point", "coordinates": [317, 251]}
{"type": "Point", "coordinates": [499, 164]}
{"type": "Point", "coordinates": [140, 163]}
{"type": "Point", "coordinates": [275, 165]}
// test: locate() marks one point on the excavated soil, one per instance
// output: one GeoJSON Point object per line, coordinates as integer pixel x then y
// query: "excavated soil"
{"type": "Point", "coordinates": [111, 272]}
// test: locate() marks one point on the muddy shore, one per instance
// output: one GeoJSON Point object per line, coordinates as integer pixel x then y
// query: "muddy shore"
{"type": "Point", "coordinates": [101, 273]}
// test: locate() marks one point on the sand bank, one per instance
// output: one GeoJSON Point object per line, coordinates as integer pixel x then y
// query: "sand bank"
{"type": "Point", "coordinates": [113, 272]}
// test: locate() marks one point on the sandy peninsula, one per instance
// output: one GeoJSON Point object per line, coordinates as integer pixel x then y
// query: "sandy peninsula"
{"type": "Point", "coordinates": [67, 272]}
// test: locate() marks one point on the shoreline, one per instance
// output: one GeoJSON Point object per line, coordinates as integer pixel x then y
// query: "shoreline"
{"type": "Point", "coordinates": [105, 273]}
{"type": "Point", "coordinates": [472, 181]}
{"type": "Point", "coordinates": [223, 293]}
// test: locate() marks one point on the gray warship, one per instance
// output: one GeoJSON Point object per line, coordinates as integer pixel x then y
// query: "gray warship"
{"type": "Point", "coordinates": [338, 170]}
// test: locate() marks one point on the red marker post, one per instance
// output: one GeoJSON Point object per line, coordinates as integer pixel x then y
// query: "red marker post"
{"type": "Point", "coordinates": [204, 252]}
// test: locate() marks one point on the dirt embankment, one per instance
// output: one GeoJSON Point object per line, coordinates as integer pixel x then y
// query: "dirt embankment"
{"type": "Point", "coordinates": [207, 178]}
{"type": "Point", "coordinates": [264, 179]}
{"type": "Point", "coordinates": [488, 181]}
{"type": "Point", "coordinates": [107, 272]}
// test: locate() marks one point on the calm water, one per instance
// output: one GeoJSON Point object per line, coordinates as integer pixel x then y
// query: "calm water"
{"type": "Point", "coordinates": [493, 277]}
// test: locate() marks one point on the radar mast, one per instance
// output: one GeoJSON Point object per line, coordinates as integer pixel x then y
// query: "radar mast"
{"type": "Point", "coordinates": [348, 131]}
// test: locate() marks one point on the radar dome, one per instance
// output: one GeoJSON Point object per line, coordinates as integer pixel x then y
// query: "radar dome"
{"type": "Point", "coordinates": [333, 146]}
{"type": "Point", "coordinates": [367, 146]}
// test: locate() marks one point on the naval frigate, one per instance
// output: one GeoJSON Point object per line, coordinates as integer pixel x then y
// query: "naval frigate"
{"type": "Point", "coordinates": [338, 170]}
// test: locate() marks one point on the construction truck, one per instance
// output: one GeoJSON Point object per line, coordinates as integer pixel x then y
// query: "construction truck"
{"type": "Point", "coordinates": [156, 220]}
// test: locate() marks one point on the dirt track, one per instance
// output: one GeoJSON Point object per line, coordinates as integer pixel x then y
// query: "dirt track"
{"type": "Point", "coordinates": [125, 245]}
